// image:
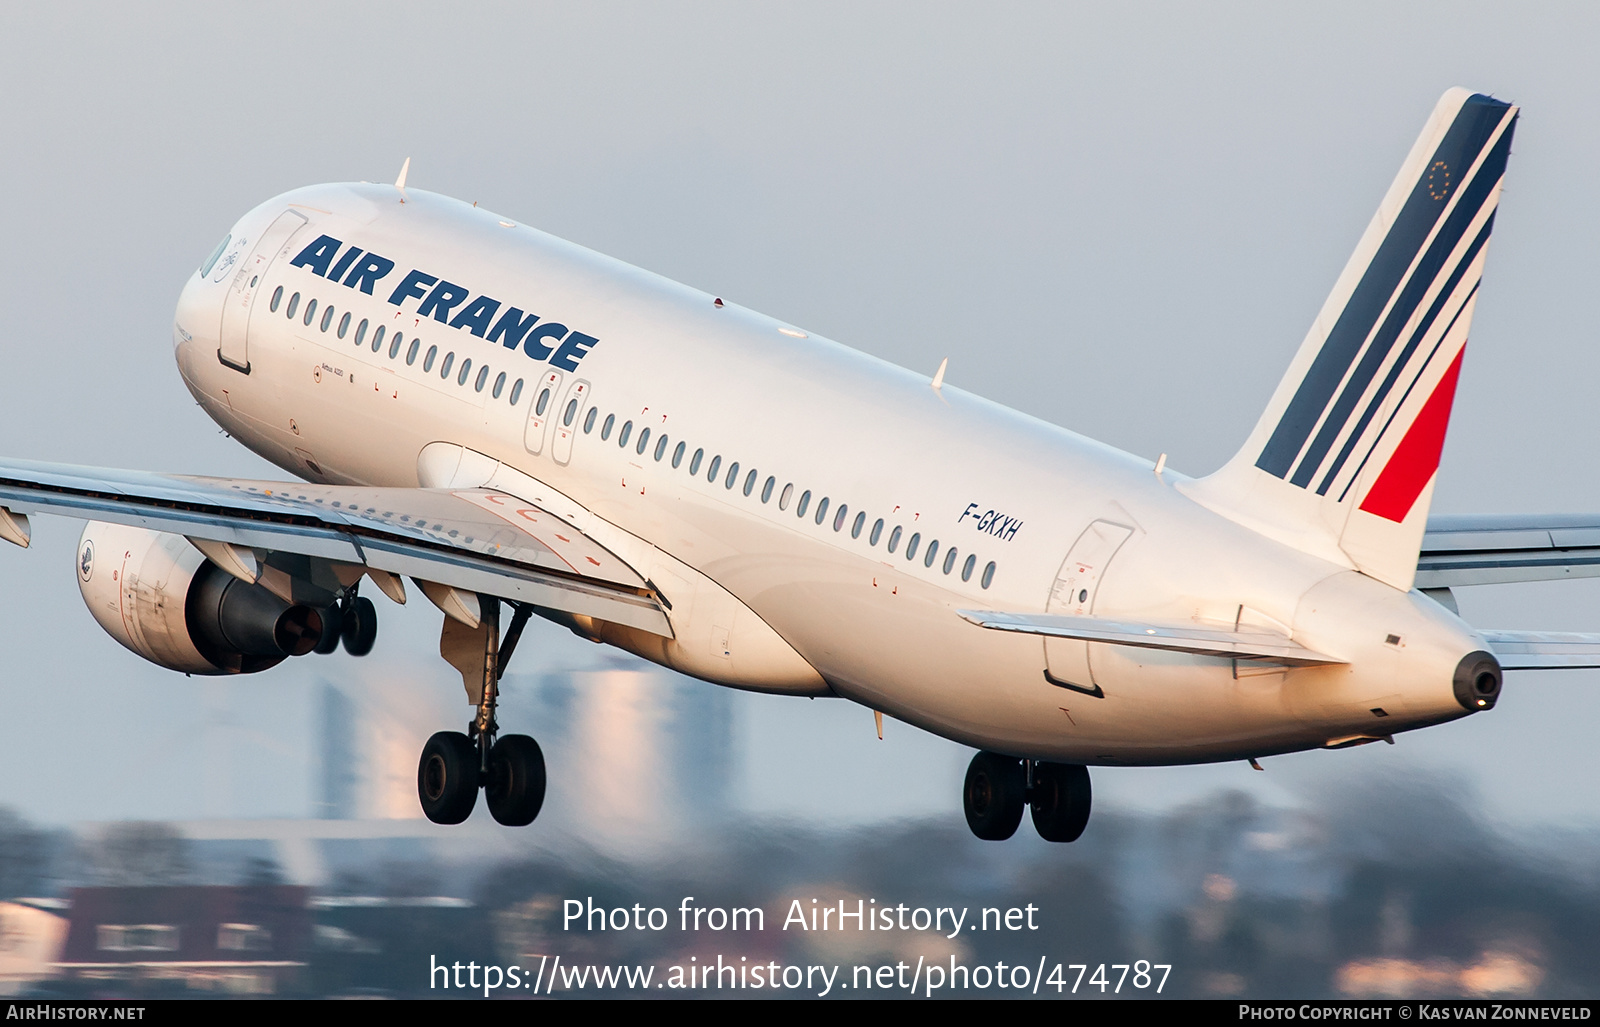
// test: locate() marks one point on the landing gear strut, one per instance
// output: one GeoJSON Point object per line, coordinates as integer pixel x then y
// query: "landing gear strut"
{"type": "Point", "coordinates": [997, 787]}
{"type": "Point", "coordinates": [510, 770]}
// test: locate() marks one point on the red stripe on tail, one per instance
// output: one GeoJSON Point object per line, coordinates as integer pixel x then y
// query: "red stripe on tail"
{"type": "Point", "coordinates": [1417, 456]}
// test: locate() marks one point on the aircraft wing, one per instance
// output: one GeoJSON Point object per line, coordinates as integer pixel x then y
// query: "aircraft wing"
{"type": "Point", "coordinates": [1492, 549]}
{"type": "Point", "coordinates": [1174, 637]}
{"type": "Point", "coordinates": [477, 540]}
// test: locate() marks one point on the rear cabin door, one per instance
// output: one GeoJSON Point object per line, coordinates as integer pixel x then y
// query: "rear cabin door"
{"type": "Point", "coordinates": [1066, 660]}
{"type": "Point", "coordinates": [233, 343]}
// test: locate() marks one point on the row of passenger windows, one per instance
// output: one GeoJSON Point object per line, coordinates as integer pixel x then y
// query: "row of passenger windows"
{"type": "Point", "coordinates": [819, 512]}
{"type": "Point", "coordinates": [397, 342]}
{"type": "Point", "coordinates": [748, 480]}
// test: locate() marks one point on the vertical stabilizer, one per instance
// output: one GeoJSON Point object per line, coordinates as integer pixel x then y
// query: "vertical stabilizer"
{"type": "Point", "coordinates": [1343, 461]}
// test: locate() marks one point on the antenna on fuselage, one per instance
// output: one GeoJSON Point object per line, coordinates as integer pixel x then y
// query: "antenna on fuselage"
{"type": "Point", "coordinates": [938, 376]}
{"type": "Point", "coordinates": [400, 183]}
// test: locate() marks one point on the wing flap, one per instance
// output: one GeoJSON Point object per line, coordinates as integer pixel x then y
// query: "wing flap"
{"type": "Point", "coordinates": [475, 539]}
{"type": "Point", "coordinates": [1174, 637]}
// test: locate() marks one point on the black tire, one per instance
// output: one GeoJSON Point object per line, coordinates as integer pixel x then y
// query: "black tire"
{"type": "Point", "coordinates": [360, 628]}
{"type": "Point", "coordinates": [993, 796]}
{"type": "Point", "coordinates": [447, 778]}
{"type": "Point", "coordinates": [515, 789]}
{"type": "Point", "coordinates": [332, 630]}
{"type": "Point", "coordinates": [1060, 801]}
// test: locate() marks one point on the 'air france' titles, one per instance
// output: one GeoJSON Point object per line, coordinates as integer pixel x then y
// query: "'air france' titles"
{"type": "Point", "coordinates": [481, 315]}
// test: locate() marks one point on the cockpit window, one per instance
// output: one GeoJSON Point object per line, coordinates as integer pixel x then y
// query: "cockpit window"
{"type": "Point", "coordinates": [216, 254]}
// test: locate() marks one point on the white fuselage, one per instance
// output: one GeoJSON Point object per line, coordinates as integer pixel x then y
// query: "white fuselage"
{"type": "Point", "coordinates": [949, 467]}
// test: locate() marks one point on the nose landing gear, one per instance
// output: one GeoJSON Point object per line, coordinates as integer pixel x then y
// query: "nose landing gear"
{"type": "Point", "coordinates": [454, 765]}
{"type": "Point", "coordinates": [997, 787]}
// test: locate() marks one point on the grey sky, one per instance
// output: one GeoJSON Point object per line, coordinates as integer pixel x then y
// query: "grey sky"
{"type": "Point", "coordinates": [1119, 218]}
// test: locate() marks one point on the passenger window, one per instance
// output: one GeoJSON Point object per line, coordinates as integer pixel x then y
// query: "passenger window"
{"type": "Point", "coordinates": [544, 402]}
{"type": "Point", "coordinates": [444, 369]}
{"type": "Point", "coordinates": [516, 392]}
{"type": "Point", "coordinates": [838, 518]}
{"type": "Point", "coordinates": [933, 553]}
{"type": "Point", "coordinates": [677, 456]}
{"type": "Point", "coordinates": [605, 429]}
{"type": "Point", "coordinates": [277, 298]}
{"type": "Point", "coordinates": [361, 333]}
{"type": "Point", "coordinates": [344, 324]}
{"type": "Point", "coordinates": [750, 482]}
{"type": "Point", "coordinates": [822, 510]}
{"type": "Point", "coordinates": [716, 465]}
{"type": "Point", "coordinates": [788, 494]}
{"type": "Point", "coordinates": [766, 490]}
{"type": "Point", "coordinates": [661, 448]}
{"type": "Point", "coordinates": [411, 354]}
{"type": "Point", "coordinates": [588, 419]}
{"type": "Point", "coordinates": [855, 529]}
{"type": "Point", "coordinates": [500, 386]}
{"type": "Point", "coordinates": [988, 575]}
{"type": "Point", "coordinates": [427, 361]}
{"type": "Point", "coordinates": [377, 337]}
{"type": "Point", "coordinates": [294, 301]}
{"type": "Point", "coordinates": [966, 568]}
{"type": "Point", "coordinates": [627, 430]}
{"type": "Point", "coordinates": [911, 544]}
{"type": "Point", "coordinates": [572, 412]}
{"type": "Point", "coordinates": [805, 501]}
{"type": "Point", "coordinates": [466, 369]}
{"type": "Point", "coordinates": [327, 318]}
{"type": "Point", "coordinates": [483, 379]}
{"type": "Point", "coordinates": [733, 475]}
{"type": "Point", "coordinates": [311, 312]}
{"type": "Point", "coordinates": [894, 538]}
{"type": "Point", "coordinates": [644, 441]}
{"type": "Point", "coordinates": [394, 346]}
{"type": "Point", "coordinates": [949, 559]}
{"type": "Point", "coordinates": [876, 533]}
{"type": "Point", "coordinates": [694, 461]}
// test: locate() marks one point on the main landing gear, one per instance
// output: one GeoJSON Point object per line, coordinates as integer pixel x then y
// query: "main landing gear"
{"type": "Point", "coordinates": [454, 766]}
{"type": "Point", "coordinates": [997, 788]}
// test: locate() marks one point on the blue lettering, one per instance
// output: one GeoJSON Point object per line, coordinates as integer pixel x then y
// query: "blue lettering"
{"type": "Point", "coordinates": [444, 296]}
{"type": "Point", "coordinates": [475, 317]}
{"type": "Point", "coordinates": [364, 274]}
{"type": "Point", "coordinates": [572, 351]}
{"type": "Point", "coordinates": [513, 326]}
{"type": "Point", "coordinates": [343, 263]}
{"type": "Point", "coordinates": [538, 350]}
{"type": "Point", "coordinates": [317, 255]}
{"type": "Point", "coordinates": [413, 286]}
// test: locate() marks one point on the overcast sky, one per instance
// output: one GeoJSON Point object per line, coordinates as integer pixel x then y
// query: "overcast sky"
{"type": "Point", "coordinates": [1120, 218]}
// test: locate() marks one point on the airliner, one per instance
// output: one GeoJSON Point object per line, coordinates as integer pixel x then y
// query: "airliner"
{"type": "Point", "coordinates": [519, 426]}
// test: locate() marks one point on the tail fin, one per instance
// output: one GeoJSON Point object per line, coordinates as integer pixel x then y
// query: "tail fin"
{"type": "Point", "coordinates": [1343, 461]}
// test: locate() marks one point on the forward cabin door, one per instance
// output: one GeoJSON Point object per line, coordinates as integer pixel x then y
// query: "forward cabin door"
{"type": "Point", "coordinates": [1066, 660]}
{"type": "Point", "coordinates": [541, 412]}
{"type": "Point", "coordinates": [233, 343]}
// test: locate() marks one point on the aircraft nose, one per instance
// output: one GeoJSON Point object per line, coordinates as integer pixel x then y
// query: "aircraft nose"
{"type": "Point", "coordinates": [1477, 681]}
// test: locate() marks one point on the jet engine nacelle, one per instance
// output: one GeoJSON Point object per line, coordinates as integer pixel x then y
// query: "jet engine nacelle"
{"type": "Point", "coordinates": [157, 595]}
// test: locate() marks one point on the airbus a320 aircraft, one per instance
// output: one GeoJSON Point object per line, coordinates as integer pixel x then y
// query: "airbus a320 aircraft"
{"type": "Point", "coordinates": [522, 426]}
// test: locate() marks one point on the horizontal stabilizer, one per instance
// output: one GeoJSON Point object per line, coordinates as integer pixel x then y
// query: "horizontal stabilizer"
{"type": "Point", "coordinates": [1544, 650]}
{"type": "Point", "coordinates": [1493, 549]}
{"type": "Point", "coordinates": [1181, 638]}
